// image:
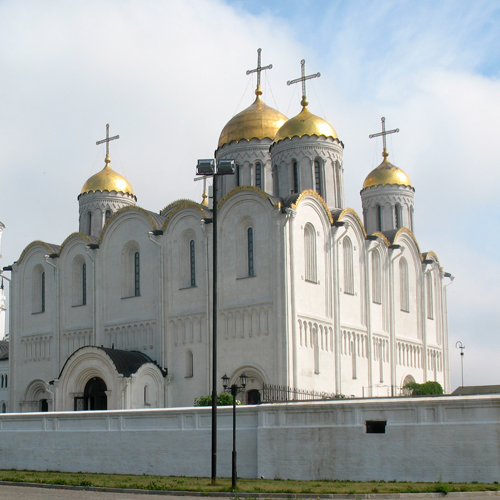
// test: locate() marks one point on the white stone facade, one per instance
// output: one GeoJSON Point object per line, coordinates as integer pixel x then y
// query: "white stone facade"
{"type": "Point", "coordinates": [430, 439]}
{"type": "Point", "coordinates": [308, 299]}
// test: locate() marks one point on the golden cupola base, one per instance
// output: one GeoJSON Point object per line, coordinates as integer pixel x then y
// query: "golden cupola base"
{"type": "Point", "coordinates": [103, 195]}
{"type": "Point", "coordinates": [387, 198]}
{"type": "Point", "coordinates": [258, 121]}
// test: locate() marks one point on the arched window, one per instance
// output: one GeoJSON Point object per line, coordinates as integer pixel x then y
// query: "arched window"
{"type": "Point", "coordinates": [189, 364]}
{"type": "Point", "coordinates": [84, 284]}
{"type": "Point", "coordinates": [348, 267]}
{"type": "Point", "coordinates": [397, 216]}
{"type": "Point", "coordinates": [310, 253]}
{"type": "Point", "coordinates": [295, 177]}
{"type": "Point", "coordinates": [89, 223]}
{"type": "Point", "coordinates": [146, 396]}
{"type": "Point", "coordinates": [379, 218]}
{"type": "Point", "coordinates": [4, 408]}
{"type": "Point", "coordinates": [251, 266]}
{"type": "Point", "coordinates": [38, 293]}
{"type": "Point", "coordinates": [192, 263]}
{"type": "Point", "coordinates": [376, 278]}
{"type": "Point", "coordinates": [6, 380]}
{"type": "Point", "coordinates": [137, 274]}
{"type": "Point", "coordinates": [404, 285]}
{"type": "Point", "coordinates": [1, 382]}
{"type": "Point", "coordinates": [107, 215]}
{"type": "Point", "coordinates": [79, 284]}
{"type": "Point", "coordinates": [317, 177]}
{"type": "Point", "coordinates": [258, 175]}
{"type": "Point", "coordinates": [131, 270]}
{"type": "Point", "coordinates": [430, 295]}
{"type": "Point", "coordinates": [276, 184]}
{"type": "Point", "coordinates": [238, 175]}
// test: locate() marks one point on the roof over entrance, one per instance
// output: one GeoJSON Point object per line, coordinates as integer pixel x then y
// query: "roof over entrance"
{"type": "Point", "coordinates": [126, 362]}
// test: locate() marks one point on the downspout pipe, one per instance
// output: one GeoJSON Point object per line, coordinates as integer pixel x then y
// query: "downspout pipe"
{"type": "Point", "coordinates": [152, 235]}
{"type": "Point", "coordinates": [58, 308]}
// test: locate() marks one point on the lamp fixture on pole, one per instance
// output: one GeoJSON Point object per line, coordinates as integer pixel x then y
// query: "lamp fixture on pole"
{"type": "Point", "coordinates": [234, 390]}
{"type": "Point", "coordinates": [460, 346]}
{"type": "Point", "coordinates": [212, 168]}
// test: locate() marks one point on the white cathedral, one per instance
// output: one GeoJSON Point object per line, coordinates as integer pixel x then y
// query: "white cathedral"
{"type": "Point", "coordinates": [312, 300]}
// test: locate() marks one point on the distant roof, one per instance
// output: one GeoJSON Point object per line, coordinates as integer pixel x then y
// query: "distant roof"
{"type": "Point", "coordinates": [472, 390]}
{"type": "Point", "coordinates": [4, 350]}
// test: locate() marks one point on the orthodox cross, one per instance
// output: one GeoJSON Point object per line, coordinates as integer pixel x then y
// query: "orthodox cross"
{"type": "Point", "coordinates": [384, 133]}
{"type": "Point", "coordinates": [303, 79]}
{"type": "Point", "coordinates": [259, 68]}
{"type": "Point", "coordinates": [107, 139]}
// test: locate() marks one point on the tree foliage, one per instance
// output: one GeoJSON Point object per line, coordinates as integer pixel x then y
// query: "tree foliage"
{"type": "Point", "coordinates": [223, 399]}
{"type": "Point", "coordinates": [426, 389]}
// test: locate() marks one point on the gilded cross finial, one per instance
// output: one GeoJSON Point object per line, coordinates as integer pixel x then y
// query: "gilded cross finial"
{"type": "Point", "coordinates": [259, 70]}
{"type": "Point", "coordinates": [385, 154]}
{"type": "Point", "coordinates": [303, 79]}
{"type": "Point", "coordinates": [107, 140]}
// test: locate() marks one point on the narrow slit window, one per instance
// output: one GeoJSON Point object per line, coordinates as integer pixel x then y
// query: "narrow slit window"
{"type": "Point", "coordinates": [192, 263]}
{"type": "Point", "coordinates": [238, 175]}
{"type": "Point", "coordinates": [84, 284]}
{"type": "Point", "coordinates": [42, 295]}
{"type": "Point", "coordinates": [258, 175]}
{"type": "Point", "coordinates": [251, 268]}
{"type": "Point", "coordinates": [404, 285]}
{"type": "Point", "coordinates": [137, 274]}
{"type": "Point", "coordinates": [108, 215]}
{"type": "Point", "coordinates": [295, 177]}
{"type": "Point", "coordinates": [379, 218]}
{"type": "Point", "coordinates": [317, 176]}
{"type": "Point", "coordinates": [348, 267]}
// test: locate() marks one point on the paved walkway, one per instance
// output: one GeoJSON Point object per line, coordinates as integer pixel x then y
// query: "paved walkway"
{"type": "Point", "coordinates": [21, 492]}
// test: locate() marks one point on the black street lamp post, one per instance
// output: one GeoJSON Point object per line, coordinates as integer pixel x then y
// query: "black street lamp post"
{"type": "Point", "coordinates": [209, 168]}
{"type": "Point", "coordinates": [234, 390]}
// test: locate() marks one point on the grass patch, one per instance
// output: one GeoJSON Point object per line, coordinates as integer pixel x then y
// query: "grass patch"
{"type": "Point", "coordinates": [203, 484]}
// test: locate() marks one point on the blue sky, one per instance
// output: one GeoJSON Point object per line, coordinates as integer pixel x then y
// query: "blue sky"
{"type": "Point", "coordinates": [167, 76]}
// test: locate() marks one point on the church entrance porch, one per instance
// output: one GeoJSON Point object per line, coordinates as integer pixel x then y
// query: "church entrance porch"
{"type": "Point", "coordinates": [101, 378]}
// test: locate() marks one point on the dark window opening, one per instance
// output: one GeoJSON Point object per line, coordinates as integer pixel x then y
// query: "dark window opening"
{"type": "Point", "coordinates": [295, 177]}
{"type": "Point", "coordinates": [42, 279]}
{"type": "Point", "coordinates": [258, 175]}
{"type": "Point", "coordinates": [251, 269]}
{"type": "Point", "coordinates": [253, 397]}
{"type": "Point", "coordinates": [137, 270]}
{"type": "Point", "coordinates": [192, 263]}
{"type": "Point", "coordinates": [84, 284]}
{"type": "Point", "coordinates": [375, 426]}
{"type": "Point", "coordinates": [43, 405]}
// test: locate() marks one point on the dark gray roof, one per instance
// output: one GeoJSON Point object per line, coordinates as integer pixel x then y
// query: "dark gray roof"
{"type": "Point", "coordinates": [4, 350]}
{"type": "Point", "coordinates": [126, 362]}
{"type": "Point", "coordinates": [472, 390]}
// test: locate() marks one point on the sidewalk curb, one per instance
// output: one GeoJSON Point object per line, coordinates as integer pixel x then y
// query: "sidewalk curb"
{"type": "Point", "coordinates": [243, 495]}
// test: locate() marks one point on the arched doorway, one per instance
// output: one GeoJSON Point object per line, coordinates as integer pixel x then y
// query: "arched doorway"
{"type": "Point", "coordinates": [253, 397]}
{"type": "Point", "coordinates": [94, 395]}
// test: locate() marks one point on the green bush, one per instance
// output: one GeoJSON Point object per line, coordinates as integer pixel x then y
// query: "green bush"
{"type": "Point", "coordinates": [223, 399]}
{"type": "Point", "coordinates": [428, 388]}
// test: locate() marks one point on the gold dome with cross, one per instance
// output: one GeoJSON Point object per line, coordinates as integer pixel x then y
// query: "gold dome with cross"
{"type": "Point", "coordinates": [107, 179]}
{"type": "Point", "coordinates": [305, 123]}
{"type": "Point", "coordinates": [258, 121]}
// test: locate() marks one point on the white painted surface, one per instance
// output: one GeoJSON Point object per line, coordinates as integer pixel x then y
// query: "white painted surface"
{"type": "Point", "coordinates": [426, 439]}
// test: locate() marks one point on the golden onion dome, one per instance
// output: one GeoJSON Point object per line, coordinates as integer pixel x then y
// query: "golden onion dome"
{"type": "Point", "coordinates": [386, 174]}
{"type": "Point", "coordinates": [107, 180]}
{"type": "Point", "coordinates": [258, 121]}
{"type": "Point", "coordinates": [305, 123]}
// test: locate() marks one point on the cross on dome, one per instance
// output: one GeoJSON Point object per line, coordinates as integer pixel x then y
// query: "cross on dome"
{"type": "Point", "coordinates": [303, 79]}
{"type": "Point", "coordinates": [107, 140]}
{"type": "Point", "coordinates": [259, 70]}
{"type": "Point", "coordinates": [385, 154]}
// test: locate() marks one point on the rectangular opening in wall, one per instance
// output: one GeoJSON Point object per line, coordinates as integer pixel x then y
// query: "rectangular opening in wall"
{"type": "Point", "coordinates": [375, 426]}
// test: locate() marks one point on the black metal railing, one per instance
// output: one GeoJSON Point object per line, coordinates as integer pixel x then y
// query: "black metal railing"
{"type": "Point", "coordinates": [280, 393]}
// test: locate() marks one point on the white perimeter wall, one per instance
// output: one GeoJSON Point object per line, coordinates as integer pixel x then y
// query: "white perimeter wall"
{"type": "Point", "coordinates": [426, 439]}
